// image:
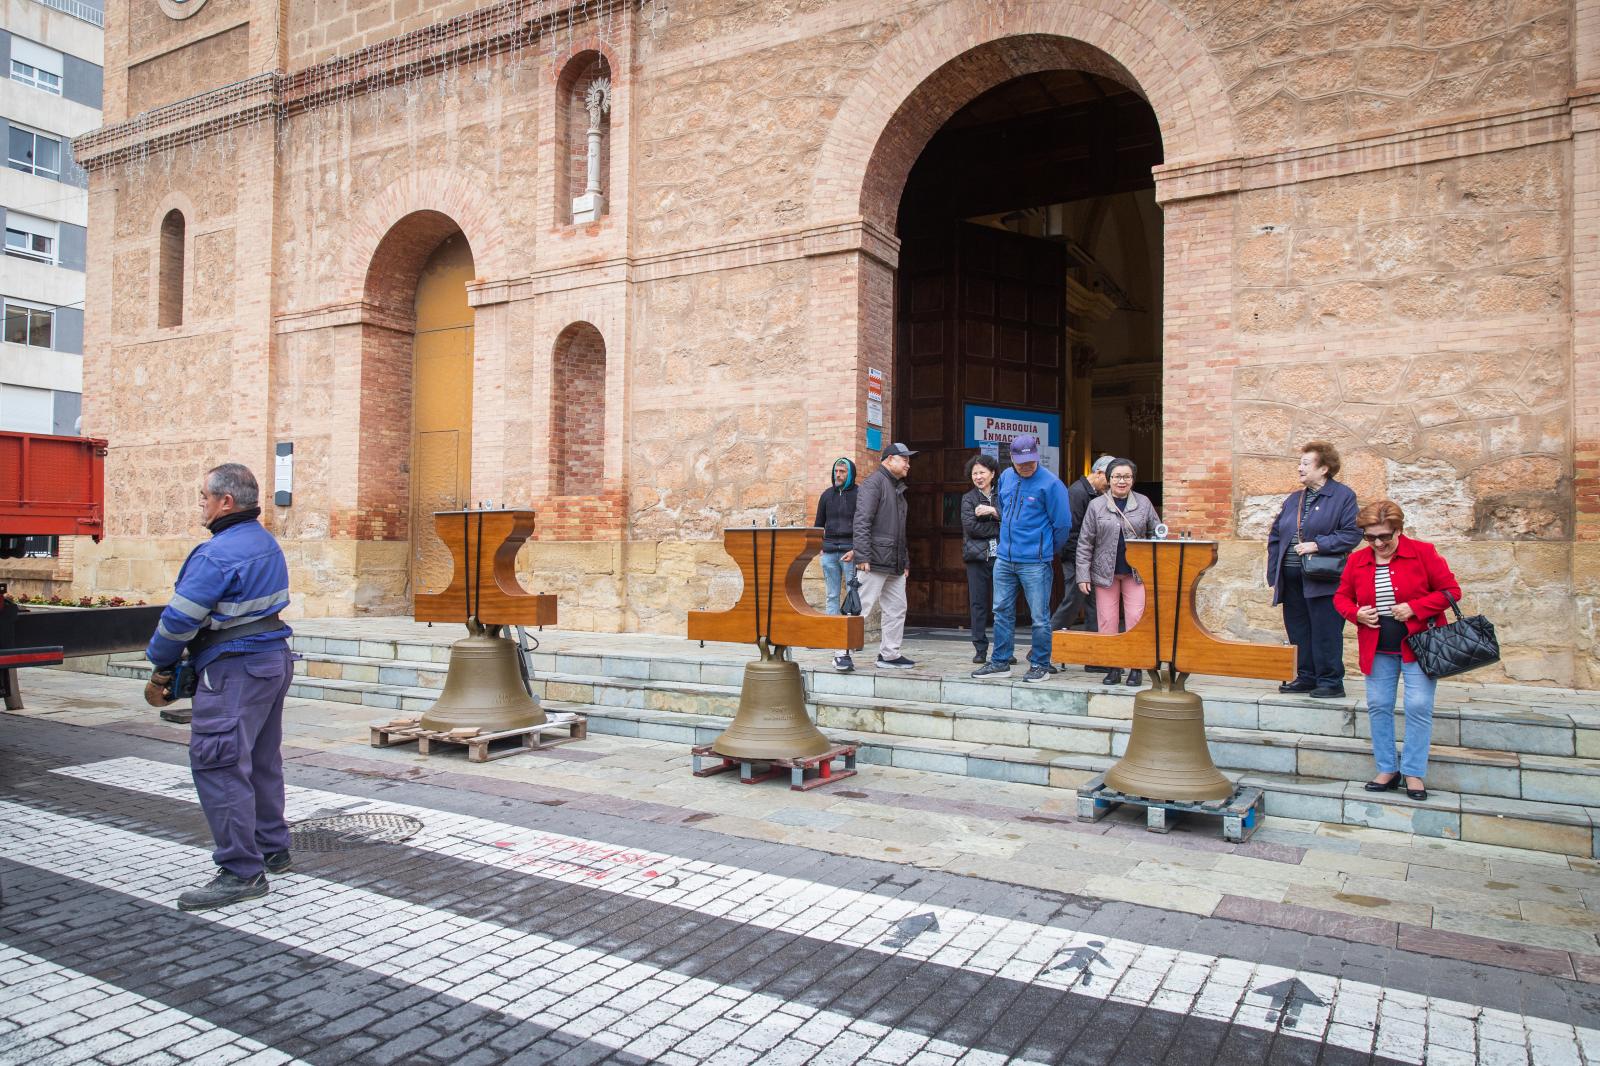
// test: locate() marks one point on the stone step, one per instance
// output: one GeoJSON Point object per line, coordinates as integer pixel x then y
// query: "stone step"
{"type": "Point", "coordinates": [1488, 726]}
{"type": "Point", "coordinates": [1314, 776]}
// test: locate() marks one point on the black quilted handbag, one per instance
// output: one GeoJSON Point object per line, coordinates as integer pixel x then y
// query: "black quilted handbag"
{"type": "Point", "coordinates": [1455, 647]}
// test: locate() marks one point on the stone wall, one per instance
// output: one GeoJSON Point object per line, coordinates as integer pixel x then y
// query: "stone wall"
{"type": "Point", "coordinates": [1370, 227]}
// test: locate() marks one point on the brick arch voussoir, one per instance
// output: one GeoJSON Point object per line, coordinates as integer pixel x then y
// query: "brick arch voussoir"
{"type": "Point", "coordinates": [933, 68]}
{"type": "Point", "coordinates": [458, 198]}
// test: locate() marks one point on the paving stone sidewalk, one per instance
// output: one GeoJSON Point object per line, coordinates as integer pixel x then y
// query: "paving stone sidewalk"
{"type": "Point", "coordinates": [1526, 910]}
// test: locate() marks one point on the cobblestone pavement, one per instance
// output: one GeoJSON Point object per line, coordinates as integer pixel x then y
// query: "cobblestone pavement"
{"type": "Point", "coordinates": [595, 903]}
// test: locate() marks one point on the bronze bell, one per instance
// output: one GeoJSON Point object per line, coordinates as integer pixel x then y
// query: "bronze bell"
{"type": "Point", "coordinates": [772, 722]}
{"type": "Point", "coordinates": [1167, 756]}
{"type": "Point", "coordinates": [483, 688]}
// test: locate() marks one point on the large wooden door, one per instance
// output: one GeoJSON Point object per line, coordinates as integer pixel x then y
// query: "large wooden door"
{"type": "Point", "coordinates": [980, 321]}
{"type": "Point", "coordinates": [441, 407]}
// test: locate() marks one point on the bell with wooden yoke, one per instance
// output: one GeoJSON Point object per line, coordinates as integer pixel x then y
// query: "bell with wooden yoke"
{"type": "Point", "coordinates": [484, 688]}
{"type": "Point", "coordinates": [771, 722]}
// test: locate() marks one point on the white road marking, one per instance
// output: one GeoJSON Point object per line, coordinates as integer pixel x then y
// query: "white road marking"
{"type": "Point", "coordinates": [41, 1001]}
{"type": "Point", "coordinates": [607, 999]}
{"type": "Point", "coordinates": [1405, 1026]}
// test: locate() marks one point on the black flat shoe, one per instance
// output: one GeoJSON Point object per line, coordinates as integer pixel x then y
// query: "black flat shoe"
{"type": "Point", "coordinates": [1383, 786]}
{"type": "Point", "coordinates": [1135, 678]}
{"type": "Point", "coordinates": [1297, 686]}
{"type": "Point", "coordinates": [1113, 677]}
{"type": "Point", "coordinates": [981, 657]}
{"type": "Point", "coordinates": [1324, 692]}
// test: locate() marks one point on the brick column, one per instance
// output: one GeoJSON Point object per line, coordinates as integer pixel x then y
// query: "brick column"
{"type": "Point", "coordinates": [1199, 354]}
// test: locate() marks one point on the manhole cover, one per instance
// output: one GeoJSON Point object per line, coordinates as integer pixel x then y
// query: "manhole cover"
{"type": "Point", "coordinates": [345, 832]}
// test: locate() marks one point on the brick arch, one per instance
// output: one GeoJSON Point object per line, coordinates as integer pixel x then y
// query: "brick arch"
{"type": "Point", "coordinates": [390, 285]}
{"type": "Point", "coordinates": [930, 71]}
{"type": "Point", "coordinates": [426, 194]}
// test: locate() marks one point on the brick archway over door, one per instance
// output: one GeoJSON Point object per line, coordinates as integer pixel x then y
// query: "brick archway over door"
{"type": "Point", "coordinates": [963, 49]}
{"type": "Point", "coordinates": [933, 69]}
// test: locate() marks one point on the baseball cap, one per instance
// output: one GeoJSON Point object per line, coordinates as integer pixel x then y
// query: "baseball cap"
{"type": "Point", "coordinates": [897, 449]}
{"type": "Point", "coordinates": [1025, 448]}
{"type": "Point", "coordinates": [1102, 464]}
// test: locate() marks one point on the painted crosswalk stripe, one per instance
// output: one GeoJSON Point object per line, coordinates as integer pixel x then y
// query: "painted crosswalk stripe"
{"type": "Point", "coordinates": [1393, 1023]}
{"type": "Point", "coordinates": [602, 998]}
{"type": "Point", "coordinates": [47, 1008]}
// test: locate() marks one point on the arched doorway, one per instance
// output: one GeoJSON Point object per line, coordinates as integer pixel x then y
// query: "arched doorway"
{"type": "Point", "coordinates": [415, 419]}
{"type": "Point", "coordinates": [441, 384]}
{"type": "Point", "coordinates": [1027, 298]}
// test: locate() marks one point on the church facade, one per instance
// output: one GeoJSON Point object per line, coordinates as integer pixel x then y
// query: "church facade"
{"type": "Point", "coordinates": [649, 266]}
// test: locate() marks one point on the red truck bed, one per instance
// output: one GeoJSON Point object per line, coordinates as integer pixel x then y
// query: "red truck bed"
{"type": "Point", "coordinates": [51, 486]}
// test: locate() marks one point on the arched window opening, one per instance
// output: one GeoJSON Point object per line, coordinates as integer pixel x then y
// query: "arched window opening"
{"type": "Point", "coordinates": [578, 411]}
{"type": "Point", "coordinates": [583, 123]}
{"type": "Point", "coordinates": [169, 300]}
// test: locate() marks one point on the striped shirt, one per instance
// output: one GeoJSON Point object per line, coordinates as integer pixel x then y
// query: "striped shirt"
{"type": "Point", "coordinates": [1383, 590]}
{"type": "Point", "coordinates": [1391, 631]}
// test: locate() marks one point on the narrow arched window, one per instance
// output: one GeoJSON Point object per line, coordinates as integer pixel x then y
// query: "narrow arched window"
{"type": "Point", "coordinates": [169, 309]}
{"type": "Point", "coordinates": [578, 411]}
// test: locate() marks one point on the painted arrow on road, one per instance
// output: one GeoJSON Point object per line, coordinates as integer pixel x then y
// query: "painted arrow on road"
{"type": "Point", "coordinates": [1287, 997]}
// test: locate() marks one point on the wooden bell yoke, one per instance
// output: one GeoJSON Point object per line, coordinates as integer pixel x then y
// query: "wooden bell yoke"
{"type": "Point", "coordinates": [492, 599]}
{"type": "Point", "coordinates": [1170, 632]}
{"type": "Point", "coordinates": [1167, 759]}
{"type": "Point", "coordinates": [771, 723]}
{"type": "Point", "coordinates": [763, 615]}
{"type": "Point", "coordinates": [485, 688]}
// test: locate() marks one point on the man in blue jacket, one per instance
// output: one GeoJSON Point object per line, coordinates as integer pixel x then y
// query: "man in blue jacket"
{"type": "Point", "coordinates": [1035, 523]}
{"type": "Point", "coordinates": [224, 614]}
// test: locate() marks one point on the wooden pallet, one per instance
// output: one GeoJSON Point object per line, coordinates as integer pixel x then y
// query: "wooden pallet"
{"type": "Point", "coordinates": [804, 774]}
{"type": "Point", "coordinates": [1242, 813]}
{"type": "Point", "coordinates": [479, 744]}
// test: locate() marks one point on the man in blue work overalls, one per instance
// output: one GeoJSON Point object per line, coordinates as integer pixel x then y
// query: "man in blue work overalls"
{"type": "Point", "coordinates": [224, 614]}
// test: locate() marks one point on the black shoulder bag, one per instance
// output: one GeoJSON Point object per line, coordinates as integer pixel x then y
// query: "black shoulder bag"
{"type": "Point", "coordinates": [1455, 647]}
{"type": "Point", "coordinates": [1319, 566]}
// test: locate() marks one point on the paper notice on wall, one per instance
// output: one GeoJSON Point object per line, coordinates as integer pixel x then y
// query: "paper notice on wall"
{"type": "Point", "coordinates": [874, 397]}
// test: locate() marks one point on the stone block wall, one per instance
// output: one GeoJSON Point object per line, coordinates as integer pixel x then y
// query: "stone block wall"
{"type": "Point", "coordinates": [1377, 227]}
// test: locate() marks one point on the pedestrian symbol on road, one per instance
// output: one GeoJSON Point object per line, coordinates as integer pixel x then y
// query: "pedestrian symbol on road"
{"type": "Point", "coordinates": [1080, 959]}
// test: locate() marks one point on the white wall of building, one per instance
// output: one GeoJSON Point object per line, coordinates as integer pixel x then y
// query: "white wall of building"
{"type": "Point", "coordinates": [40, 388]}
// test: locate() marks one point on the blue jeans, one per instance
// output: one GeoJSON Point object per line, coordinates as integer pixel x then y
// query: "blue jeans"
{"type": "Point", "coordinates": [1381, 685]}
{"type": "Point", "coordinates": [1034, 580]}
{"type": "Point", "coordinates": [833, 574]}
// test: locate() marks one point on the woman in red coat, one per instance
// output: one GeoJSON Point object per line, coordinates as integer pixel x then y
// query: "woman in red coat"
{"type": "Point", "coordinates": [1390, 589]}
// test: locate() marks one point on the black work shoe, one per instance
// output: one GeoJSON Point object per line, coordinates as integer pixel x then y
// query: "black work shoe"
{"type": "Point", "coordinates": [1095, 669]}
{"type": "Point", "coordinates": [1036, 673]}
{"type": "Point", "coordinates": [990, 669]}
{"type": "Point", "coordinates": [980, 657]}
{"type": "Point", "coordinates": [278, 862]}
{"type": "Point", "coordinates": [1323, 692]}
{"type": "Point", "coordinates": [1135, 678]}
{"type": "Point", "coordinates": [1297, 686]}
{"type": "Point", "coordinates": [224, 889]}
{"type": "Point", "coordinates": [1114, 676]}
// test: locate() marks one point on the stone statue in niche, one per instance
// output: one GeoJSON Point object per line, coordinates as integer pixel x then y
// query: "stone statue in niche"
{"type": "Point", "coordinates": [592, 204]}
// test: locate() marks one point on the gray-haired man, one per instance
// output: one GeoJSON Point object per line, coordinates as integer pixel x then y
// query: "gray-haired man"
{"type": "Point", "coordinates": [224, 614]}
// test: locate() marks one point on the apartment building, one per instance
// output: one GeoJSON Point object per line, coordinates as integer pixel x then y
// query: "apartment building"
{"type": "Point", "coordinates": [51, 60]}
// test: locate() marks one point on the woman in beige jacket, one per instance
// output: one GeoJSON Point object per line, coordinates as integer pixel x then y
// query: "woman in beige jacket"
{"type": "Point", "coordinates": [1103, 558]}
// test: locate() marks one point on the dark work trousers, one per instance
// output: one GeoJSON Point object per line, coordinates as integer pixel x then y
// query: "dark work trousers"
{"type": "Point", "coordinates": [1075, 600]}
{"type": "Point", "coordinates": [1316, 630]}
{"type": "Point", "coordinates": [236, 757]}
{"type": "Point", "coordinates": [980, 602]}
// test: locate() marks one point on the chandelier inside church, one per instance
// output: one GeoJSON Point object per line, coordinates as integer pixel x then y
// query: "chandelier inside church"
{"type": "Point", "coordinates": [1144, 414]}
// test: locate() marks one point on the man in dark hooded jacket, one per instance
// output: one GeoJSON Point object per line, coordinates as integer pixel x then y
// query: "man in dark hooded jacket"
{"type": "Point", "coordinates": [836, 514]}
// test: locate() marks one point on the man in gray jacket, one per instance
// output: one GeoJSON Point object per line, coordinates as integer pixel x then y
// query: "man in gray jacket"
{"type": "Point", "coordinates": [882, 555]}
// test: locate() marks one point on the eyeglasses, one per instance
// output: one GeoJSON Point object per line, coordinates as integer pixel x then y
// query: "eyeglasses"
{"type": "Point", "coordinates": [1122, 477]}
{"type": "Point", "coordinates": [1377, 538]}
